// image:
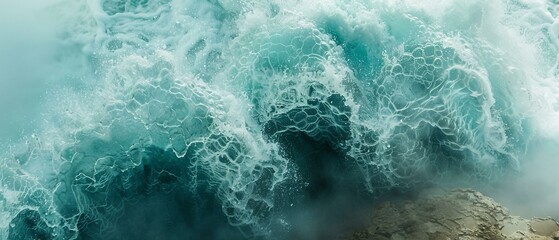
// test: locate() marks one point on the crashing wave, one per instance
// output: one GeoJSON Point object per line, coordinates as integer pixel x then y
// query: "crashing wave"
{"type": "Point", "coordinates": [232, 112]}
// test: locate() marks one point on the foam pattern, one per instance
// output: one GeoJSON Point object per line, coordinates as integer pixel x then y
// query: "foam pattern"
{"type": "Point", "coordinates": [439, 112]}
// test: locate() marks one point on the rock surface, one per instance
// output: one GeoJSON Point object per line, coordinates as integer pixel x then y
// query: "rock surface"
{"type": "Point", "coordinates": [459, 214]}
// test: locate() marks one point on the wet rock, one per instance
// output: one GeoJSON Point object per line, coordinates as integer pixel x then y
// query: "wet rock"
{"type": "Point", "coordinates": [459, 214]}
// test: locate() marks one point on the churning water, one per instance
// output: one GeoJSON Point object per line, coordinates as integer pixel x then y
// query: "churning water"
{"type": "Point", "coordinates": [223, 119]}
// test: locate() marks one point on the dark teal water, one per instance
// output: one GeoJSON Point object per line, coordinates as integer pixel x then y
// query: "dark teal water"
{"type": "Point", "coordinates": [222, 119]}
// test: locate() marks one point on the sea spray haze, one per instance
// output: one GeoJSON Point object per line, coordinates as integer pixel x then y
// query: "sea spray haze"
{"type": "Point", "coordinates": [222, 119]}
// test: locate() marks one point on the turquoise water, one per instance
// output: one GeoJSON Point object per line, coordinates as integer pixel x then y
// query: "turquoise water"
{"type": "Point", "coordinates": [222, 119]}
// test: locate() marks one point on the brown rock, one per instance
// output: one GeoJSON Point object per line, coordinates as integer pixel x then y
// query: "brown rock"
{"type": "Point", "coordinates": [459, 214]}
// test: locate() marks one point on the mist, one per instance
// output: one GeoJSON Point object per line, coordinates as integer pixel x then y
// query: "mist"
{"type": "Point", "coordinates": [533, 192]}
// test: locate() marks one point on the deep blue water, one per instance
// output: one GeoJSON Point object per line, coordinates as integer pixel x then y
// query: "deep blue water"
{"type": "Point", "coordinates": [223, 119]}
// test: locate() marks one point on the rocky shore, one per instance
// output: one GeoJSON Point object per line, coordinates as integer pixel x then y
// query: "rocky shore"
{"type": "Point", "coordinates": [458, 214]}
